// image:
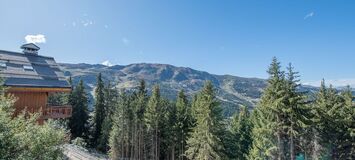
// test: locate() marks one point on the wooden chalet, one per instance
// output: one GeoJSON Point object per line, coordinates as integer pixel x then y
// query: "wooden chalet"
{"type": "Point", "coordinates": [32, 78]}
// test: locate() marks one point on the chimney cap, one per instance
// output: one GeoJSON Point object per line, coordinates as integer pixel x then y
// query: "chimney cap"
{"type": "Point", "coordinates": [30, 48]}
{"type": "Point", "coordinates": [30, 45]}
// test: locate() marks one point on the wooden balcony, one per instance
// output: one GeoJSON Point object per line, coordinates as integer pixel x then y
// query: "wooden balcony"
{"type": "Point", "coordinates": [56, 112]}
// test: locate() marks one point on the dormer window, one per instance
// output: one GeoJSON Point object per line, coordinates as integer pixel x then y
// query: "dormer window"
{"type": "Point", "coordinates": [2, 64]}
{"type": "Point", "coordinates": [28, 68]}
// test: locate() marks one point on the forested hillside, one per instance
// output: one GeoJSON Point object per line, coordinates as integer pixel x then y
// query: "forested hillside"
{"type": "Point", "coordinates": [287, 123]}
{"type": "Point", "coordinates": [232, 91]}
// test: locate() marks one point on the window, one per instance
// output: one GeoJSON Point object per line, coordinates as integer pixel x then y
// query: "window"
{"type": "Point", "coordinates": [28, 68]}
{"type": "Point", "coordinates": [2, 64]}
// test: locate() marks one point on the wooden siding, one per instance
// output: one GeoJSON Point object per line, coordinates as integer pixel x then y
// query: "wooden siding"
{"type": "Point", "coordinates": [37, 102]}
{"type": "Point", "coordinates": [31, 90]}
{"type": "Point", "coordinates": [34, 102]}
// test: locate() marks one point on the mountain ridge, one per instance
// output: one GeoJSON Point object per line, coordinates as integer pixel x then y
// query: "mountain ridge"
{"type": "Point", "coordinates": [232, 91]}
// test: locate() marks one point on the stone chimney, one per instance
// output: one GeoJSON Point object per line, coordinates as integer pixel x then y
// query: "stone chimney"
{"type": "Point", "coordinates": [30, 48]}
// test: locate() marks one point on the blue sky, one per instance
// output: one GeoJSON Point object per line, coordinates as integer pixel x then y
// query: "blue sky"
{"type": "Point", "coordinates": [222, 37]}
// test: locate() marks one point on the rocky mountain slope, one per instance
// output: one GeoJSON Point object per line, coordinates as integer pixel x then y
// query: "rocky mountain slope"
{"type": "Point", "coordinates": [231, 90]}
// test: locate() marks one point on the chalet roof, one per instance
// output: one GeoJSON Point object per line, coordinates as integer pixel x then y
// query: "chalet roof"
{"type": "Point", "coordinates": [30, 70]}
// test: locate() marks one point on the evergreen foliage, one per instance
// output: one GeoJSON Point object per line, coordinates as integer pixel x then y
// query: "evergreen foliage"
{"type": "Point", "coordinates": [153, 121]}
{"type": "Point", "coordinates": [241, 129]}
{"type": "Point", "coordinates": [111, 99]}
{"type": "Point", "coordinates": [183, 124]}
{"type": "Point", "coordinates": [78, 122]}
{"type": "Point", "coordinates": [99, 110]}
{"type": "Point", "coordinates": [205, 141]}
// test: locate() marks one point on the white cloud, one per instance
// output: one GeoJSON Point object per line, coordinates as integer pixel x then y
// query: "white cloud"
{"type": "Point", "coordinates": [309, 15]}
{"type": "Point", "coordinates": [334, 82]}
{"type": "Point", "coordinates": [39, 38]}
{"type": "Point", "coordinates": [86, 23]}
{"type": "Point", "coordinates": [107, 63]}
{"type": "Point", "coordinates": [125, 41]}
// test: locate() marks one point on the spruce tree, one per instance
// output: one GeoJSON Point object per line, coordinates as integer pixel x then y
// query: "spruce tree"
{"type": "Point", "coordinates": [152, 118]}
{"type": "Point", "coordinates": [168, 130]}
{"type": "Point", "coordinates": [205, 141]}
{"type": "Point", "coordinates": [241, 129]}
{"type": "Point", "coordinates": [119, 141]}
{"type": "Point", "coordinates": [346, 140]}
{"type": "Point", "coordinates": [269, 118]}
{"type": "Point", "coordinates": [111, 98]}
{"type": "Point", "coordinates": [78, 122]}
{"type": "Point", "coordinates": [99, 110]}
{"type": "Point", "coordinates": [183, 123]}
{"type": "Point", "coordinates": [140, 103]}
{"type": "Point", "coordinates": [297, 114]}
{"type": "Point", "coordinates": [316, 130]}
{"type": "Point", "coordinates": [328, 123]}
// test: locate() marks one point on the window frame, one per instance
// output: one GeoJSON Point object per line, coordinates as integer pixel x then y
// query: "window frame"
{"type": "Point", "coordinates": [28, 68]}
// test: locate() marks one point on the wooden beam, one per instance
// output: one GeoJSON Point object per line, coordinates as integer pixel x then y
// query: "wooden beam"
{"type": "Point", "coordinates": [36, 89]}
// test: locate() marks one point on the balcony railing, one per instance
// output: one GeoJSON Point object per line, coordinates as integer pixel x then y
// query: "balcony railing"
{"type": "Point", "coordinates": [55, 112]}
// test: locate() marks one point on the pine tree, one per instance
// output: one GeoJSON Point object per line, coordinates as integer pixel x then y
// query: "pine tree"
{"type": "Point", "coordinates": [152, 119]}
{"type": "Point", "coordinates": [119, 141]}
{"type": "Point", "coordinates": [205, 141]}
{"type": "Point", "coordinates": [347, 139]}
{"type": "Point", "coordinates": [78, 122]}
{"type": "Point", "coordinates": [269, 119]}
{"type": "Point", "coordinates": [141, 99]}
{"type": "Point", "coordinates": [296, 112]}
{"type": "Point", "coordinates": [99, 112]}
{"type": "Point", "coordinates": [345, 142]}
{"type": "Point", "coordinates": [111, 98]}
{"type": "Point", "coordinates": [241, 129]}
{"type": "Point", "coordinates": [168, 130]}
{"type": "Point", "coordinates": [328, 123]}
{"type": "Point", "coordinates": [183, 123]}
{"type": "Point", "coordinates": [264, 142]}
{"type": "Point", "coordinates": [320, 100]}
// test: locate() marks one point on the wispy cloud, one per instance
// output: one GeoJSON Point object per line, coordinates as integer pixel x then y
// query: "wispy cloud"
{"type": "Point", "coordinates": [39, 38]}
{"type": "Point", "coordinates": [86, 23]}
{"type": "Point", "coordinates": [125, 41]}
{"type": "Point", "coordinates": [107, 63]}
{"type": "Point", "coordinates": [309, 15]}
{"type": "Point", "coordinates": [334, 82]}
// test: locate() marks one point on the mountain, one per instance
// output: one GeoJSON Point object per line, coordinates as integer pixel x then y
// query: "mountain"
{"type": "Point", "coordinates": [232, 91]}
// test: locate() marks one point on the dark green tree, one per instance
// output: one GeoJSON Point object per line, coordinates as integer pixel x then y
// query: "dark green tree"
{"type": "Point", "coordinates": [241, 129]}
{"type": "Point", "coordinates": [78, 122]}
{"type": "Point", "coordinates": [205, 141]}
{"type": "Point", "coordinates": [183, 123]}
{"type": "Point", "coordinates": [152, 118]}
{"type": "Point", "coordinates": [120, 141]}
{"type": "Point", "coordinates": [268, 118]}
{"type": "Point", "coordinates": [141, 99]}
{"type": "Point", "coordinates": [99, 110]}
{"type": "Point", "coordinates": [346, 141]}
{"type": "Point", "coordinates": [111, 100]}
{"type": "Point", "coordinates": [168, 130]}
{"type": "Point", "coordinates": [296, 113]}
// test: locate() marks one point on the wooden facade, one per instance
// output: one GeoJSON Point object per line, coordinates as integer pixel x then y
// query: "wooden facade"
{"type": "Point", "coordinates": [35, 100]}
